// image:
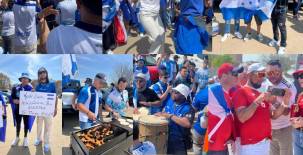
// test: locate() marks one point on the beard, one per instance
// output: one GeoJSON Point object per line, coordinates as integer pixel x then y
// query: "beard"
{"type": "Point", "coordinates": [141, 89]}
{"type": "Point", "coordinates": [256, 85]}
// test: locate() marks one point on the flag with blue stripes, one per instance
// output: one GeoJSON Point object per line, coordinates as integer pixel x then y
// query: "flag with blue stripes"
{"type": "Point", "coordinates": [246, 9]}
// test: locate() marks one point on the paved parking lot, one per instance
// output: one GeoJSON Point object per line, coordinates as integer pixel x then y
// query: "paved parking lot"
{"type": "Point", "coordinates": [237, 46]}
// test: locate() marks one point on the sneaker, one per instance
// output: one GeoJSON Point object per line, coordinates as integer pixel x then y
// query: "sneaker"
{"type": "Point", "coordinates": [281, 50]}
{"type": "Point", "coordinates": [247, 37]}
{"type": "Point", "coordinates": [37, 142]}
{"type": "Point", "coordinates": [238, 35]}
{"type": "Point", "coordinates": [273, 43]}
{"type": "Point", "coordinates": [141, 35]}
{"type": "Point", "coordinates": [15, 142]}
{"type": "Point", "coordinates": [46, 148]}
{"type": "Point", "coordinates": [25, 142]}
{"type": "Point", "coordinates": [225, 36]}
{"type": "Point", "coordinates": [260, 37]}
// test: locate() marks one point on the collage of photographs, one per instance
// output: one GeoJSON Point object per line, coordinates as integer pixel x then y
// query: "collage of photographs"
{"type": "Point", "coordinates": [151, 77]}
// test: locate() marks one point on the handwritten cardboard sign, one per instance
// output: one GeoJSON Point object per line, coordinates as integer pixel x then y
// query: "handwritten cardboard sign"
{"type": "Point", "coordinates": [37, 103]}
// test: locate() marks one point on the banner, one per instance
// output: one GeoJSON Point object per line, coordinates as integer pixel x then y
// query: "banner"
{"type": "Point", "coordinates": [1, 113]}
{"type": "Point", "coordinates": [37, 103]}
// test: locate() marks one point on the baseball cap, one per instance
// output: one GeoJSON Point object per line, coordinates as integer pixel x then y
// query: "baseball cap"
{"type": "Point", "coordinates": [255, 67]}
{"type": "Point", "coordinates": [224, 69]}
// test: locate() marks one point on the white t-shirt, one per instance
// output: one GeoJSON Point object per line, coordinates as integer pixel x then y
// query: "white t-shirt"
{"type": "Point", "coordinates": [8, 27]}
{"type": "Point", "coordinates": [71, 39]}
{"type": "Point", "coordinates": [67, 10]}
{"type": "Point", "coordinates": [25, 24]}
{"type": "Point", "coordinates": [282, 121]}
{"type": "Point", "coordinates": [150, 6]}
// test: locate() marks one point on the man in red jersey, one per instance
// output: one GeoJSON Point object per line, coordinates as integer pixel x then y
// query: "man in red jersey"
{"type": "Point", "coordinates": [220, 120]}
{"type": "Point", "coordinates": [253, 111]}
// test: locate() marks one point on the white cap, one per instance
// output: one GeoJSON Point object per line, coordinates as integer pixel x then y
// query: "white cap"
{"type": "Point", "coordinates": [182, 89]}
{"type": "Point", "coordinates": [255, 67]}
{"type": "Point", "coordinates": [141, 75]}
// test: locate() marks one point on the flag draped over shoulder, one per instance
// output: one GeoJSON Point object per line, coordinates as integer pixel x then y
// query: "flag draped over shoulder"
{"type": "Point", "coordinates": [31, 119]}
{"type": "Point", "coordinates": [189, 37]}
{"type": "Point", "coordinates": [246, 9]}
{"type": "Point", "coordinates": [3, 129]}
{"type": "Point", "coordinates": [217, 106]}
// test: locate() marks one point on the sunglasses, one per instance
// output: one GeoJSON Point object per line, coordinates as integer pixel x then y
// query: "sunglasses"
{"type": "Point", "coordinates": [174, 91]}
{"type": "Point", "coordinates": [41, 72]}
{"type": "Point", "coordinates": [235, 74]}
{"type": "Point", "coordinates": [260, 74]}
{"type": "Point", "coordinates": [273, 73]}
{"type": "Point", "coordinates": [300, 76]}
{"type": "Point", "coordinates": [165, 77]}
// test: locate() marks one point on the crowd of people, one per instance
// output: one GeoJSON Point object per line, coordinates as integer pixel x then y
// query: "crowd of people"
{"type": "Point", "coordinates": [263, 10]}
{"type": "Point", "coordinates": [178, 94]}
{"type": "Point", "coordinates": [44, 124]}
{"type": "Point", "coordinates": [45, 26]}
{"type": "Point", "coordinates": [256, 109]}
{"type": "Point", "coordinates": [187, 19]}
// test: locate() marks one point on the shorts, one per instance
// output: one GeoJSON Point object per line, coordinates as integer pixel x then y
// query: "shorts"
{"type": "Point", "coordinates": [257, 19]}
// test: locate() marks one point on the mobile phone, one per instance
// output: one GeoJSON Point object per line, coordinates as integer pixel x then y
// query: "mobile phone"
{"type": "Point", "coordinates": [276, 91]}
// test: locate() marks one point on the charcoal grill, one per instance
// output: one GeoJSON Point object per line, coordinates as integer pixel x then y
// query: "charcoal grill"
{"type": "Point", "coordinates": [117, 143]}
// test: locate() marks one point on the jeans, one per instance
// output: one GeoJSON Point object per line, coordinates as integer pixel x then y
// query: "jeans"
{"type": "Point", "coordinates": [8, 44]}
{"type": "Point", "coordinates": [85, 125]}
{"type": "Point", "coordinates": [278, 19]}
{"type": "Point", "coordinates": [227, 26]}
{"type": "Point", "coordinates": [164, 14]}
{"type": "Point", "coordinates": [298, 142]}
{"type": "Point", "coordinates": [154, 29]}
{"type": "Point", "coordinates": [296, 7]}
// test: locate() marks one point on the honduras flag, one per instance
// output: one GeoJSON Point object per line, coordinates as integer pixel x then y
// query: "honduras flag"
{"type": "Point", "coordinates": [230, 9]}
{"type": "Point", "coordinates": [69, 67]}
{"type": "Point", "coordinates": [260, 8]}
{"type": "Point", "coordinates": [3, 128]}
{"type": "Point", "coordinates": [246, 9]}
{"type": "Point", "coordinates": [108, 13]}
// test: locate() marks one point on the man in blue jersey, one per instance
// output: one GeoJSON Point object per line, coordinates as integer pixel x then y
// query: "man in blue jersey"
{"type": "Point", "coordinates": [88, 102]}
{"type": "Point", "coordinates": [200, 101]}
{"type": "Point", "coordinates": [164, 61]}
{"type": "Point", "coordinates": [181, 115]}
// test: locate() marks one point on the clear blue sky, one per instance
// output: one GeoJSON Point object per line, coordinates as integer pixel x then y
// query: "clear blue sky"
{"type": "Point", "coordinates": [89, 65]}
{"type": "Point", "coordinates": [14, 65]}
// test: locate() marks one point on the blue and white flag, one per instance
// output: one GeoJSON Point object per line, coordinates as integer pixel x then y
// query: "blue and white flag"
{"type": "Point", "coordinates": [69, 67]}
{"type": "Point", "coordinates": [4, 121]}
{"type": "Point", "coordinates": [246, 9]}
{"type": "Point", "coordinates": [109, 11]}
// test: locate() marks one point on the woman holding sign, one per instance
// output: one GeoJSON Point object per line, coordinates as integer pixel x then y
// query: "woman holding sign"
{"type": "Point", "coordinates": [27, 120]}
{"type": "Point", "coordinates": [44, 85]}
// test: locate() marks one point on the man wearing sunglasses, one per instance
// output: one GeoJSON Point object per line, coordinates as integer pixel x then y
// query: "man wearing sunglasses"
{"type": "Point", "coordinates": [89, 100]}
{"type": "Point", "coordinates": [220, 120]}
{"type": "Point", "coordinates": [180, 114]}
{"type": "Point", "coordinates": [253, 110]}
{"type": "Point", "coordinates": [281, 143]}
{"type": "Point", "coordinates": [144, 96]}
{"type": "Point", "coordinates": [162, 88]}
